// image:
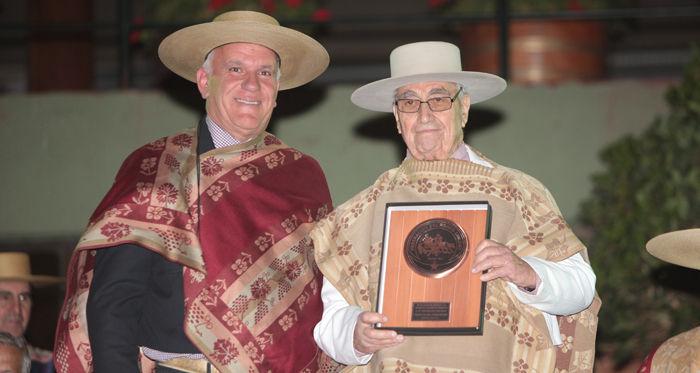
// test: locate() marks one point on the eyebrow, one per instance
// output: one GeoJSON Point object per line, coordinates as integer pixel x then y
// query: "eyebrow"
{"type": "Point", "coordinates": [6, 292]}
{"type": "Point", "coordinates": [241, 63]}
{"type": "Point", "coordinates": [440, 90]}
{"type": "Point", "coordinates": [433, 91]}
{"type": "Point", "coordinates": [407, 94]}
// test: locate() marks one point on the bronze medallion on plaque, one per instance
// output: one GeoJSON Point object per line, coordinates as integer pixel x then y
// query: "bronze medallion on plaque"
{"type": "Point", "coordinates": [436, 247]}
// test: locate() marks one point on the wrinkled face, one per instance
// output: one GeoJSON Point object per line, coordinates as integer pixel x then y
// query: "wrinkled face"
{"type": "Point", "coordinates": [432, 135]}
{"type": "Point", "coordinates": [10, 359]}
{"type": "Point", "coordinates": [242, 88]}
{"type": "Point", "coordinates": [15, 306]}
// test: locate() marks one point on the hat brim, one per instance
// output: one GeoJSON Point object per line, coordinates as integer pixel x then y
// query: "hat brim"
{"type": "Point", "coordinates": [36, 280]}
{"type": "Point", "coordinates": [679, 247]}
{"type": "Point", "coordinates": [379, 95]}
{"type": "Point", "coordinates": [302, 58]}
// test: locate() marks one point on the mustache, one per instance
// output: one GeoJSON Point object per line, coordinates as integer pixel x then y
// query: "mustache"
{"type": "Point", "coordinates": [13, 315]}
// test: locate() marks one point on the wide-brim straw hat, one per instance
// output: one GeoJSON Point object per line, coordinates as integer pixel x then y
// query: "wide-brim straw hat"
{"type": "Point", "coordinates": [430, 61]}
{"type": "Point", "coordinates": [14, 266]}
{"type": "Point", "coordinates": [302, 58]}
{"type": "Point", "coordinates": [678, 247]}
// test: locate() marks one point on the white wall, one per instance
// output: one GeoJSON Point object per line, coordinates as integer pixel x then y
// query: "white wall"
{"type": "Point", "coordinates": [60, 151]}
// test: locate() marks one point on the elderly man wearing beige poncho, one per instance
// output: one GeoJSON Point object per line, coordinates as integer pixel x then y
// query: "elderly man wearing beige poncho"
{"type": "Point", "coordinates": [540, 304]}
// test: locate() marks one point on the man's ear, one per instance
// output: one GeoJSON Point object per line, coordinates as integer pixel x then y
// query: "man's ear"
{"type": "Point", "coordinates": [465, 109]}
{"type": "Point", "coordinates": [396, 116]}
{"type": "Point", "coordinates": [203, 83]}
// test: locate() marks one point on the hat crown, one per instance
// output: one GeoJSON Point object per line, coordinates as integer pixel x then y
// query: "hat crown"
{"type": "Point", "coordinates": [14, 264]}
{"type": "Point", "coordinates": [246, 16]}
{"type": "Point", "coordinates": [425, 58]}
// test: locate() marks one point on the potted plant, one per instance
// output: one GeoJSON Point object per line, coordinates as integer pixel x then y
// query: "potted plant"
{"type": "Point", "coordinates": [542, 51]}
{"type": "Point", "coordinates": [196, 11]}
{"type": "Point", "coordinates": [651, 186]}
{"type": "Point", "coordinates": [179, 12]}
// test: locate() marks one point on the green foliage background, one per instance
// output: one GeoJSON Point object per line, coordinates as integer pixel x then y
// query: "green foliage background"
{"type": "Point", "coordinates": [651, 186]}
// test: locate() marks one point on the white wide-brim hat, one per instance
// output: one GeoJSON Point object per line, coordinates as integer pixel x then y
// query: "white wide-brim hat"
{"type": "Point", "coordinates": [302, 58]}
{"type": "Point", "coordinates": [678, 247]}
{"type": "Point", "coordinates": [430, 61]}
{"type": "Point", "coordinates": [14, 266]}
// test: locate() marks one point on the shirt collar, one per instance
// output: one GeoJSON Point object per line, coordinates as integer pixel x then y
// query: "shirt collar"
{"type": "Point", "coordinates": [461, 153]}
{"type": "Point", "coordinates": [220, 137]}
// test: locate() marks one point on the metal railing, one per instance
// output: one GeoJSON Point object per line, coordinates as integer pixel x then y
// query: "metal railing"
{"type": "Point", "coordinates": [502, 16]}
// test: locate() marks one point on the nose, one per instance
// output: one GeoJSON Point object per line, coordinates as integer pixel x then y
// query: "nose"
{"type": "Point", "coordinates": [16, 305]}
{"type": "Point", "coordinates": [251, 82]}
{"type": "Point", "coordinates": [425, 114]}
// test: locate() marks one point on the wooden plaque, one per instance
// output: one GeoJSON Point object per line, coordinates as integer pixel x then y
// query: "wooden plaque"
{"type": "Point", "coordinates": [426, 286]}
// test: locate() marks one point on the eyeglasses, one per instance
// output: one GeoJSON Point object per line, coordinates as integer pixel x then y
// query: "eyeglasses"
{"type": "Point", "coordinates": [411, 105]}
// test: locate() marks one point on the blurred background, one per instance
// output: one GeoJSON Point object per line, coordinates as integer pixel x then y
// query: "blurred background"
{"type": "Point", "coordinates": [602, 107]}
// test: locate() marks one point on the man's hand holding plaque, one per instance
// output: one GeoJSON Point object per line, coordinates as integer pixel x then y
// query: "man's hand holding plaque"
{"type": "Point", "coordinates": [501, 262]}
{"type": "Point", "coordinates": [369, 340]}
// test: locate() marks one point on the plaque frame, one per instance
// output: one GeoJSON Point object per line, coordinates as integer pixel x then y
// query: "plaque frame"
{"type": "Point", "coordinates": [448, 311]}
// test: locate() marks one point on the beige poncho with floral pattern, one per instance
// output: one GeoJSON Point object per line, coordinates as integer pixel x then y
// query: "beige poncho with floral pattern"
{"type": "Point", "coordinates": [525, 218]}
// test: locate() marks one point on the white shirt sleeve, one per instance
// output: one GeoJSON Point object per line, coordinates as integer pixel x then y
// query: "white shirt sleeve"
{"type": "Point", "coordinates": [567, 287]}
{"type": "Point", "coordinates": [335, 332]}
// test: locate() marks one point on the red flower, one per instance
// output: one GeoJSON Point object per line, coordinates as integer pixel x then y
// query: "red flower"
{"type": "Point", "coordinates": [224, 351]}
{"type": "Point", "coordinates": [215, 5]}
{"type": "Point", "coordinates": [115, 231]}
{"type": "Point", "coordinates": [167, 194]}
{"type": "Point", "coordinates": [574, 5]}
{"type": "Point", "coordinates": [212, 166]}
{"type": "Point", "coordinates": [321, 15]}
{"type": "Point", "coordinates": [269, 6]}
{"type": "Point", "coordinates": [435, 3]}
{"type": "Point", "coordinates": [135, 35]}
{"type": "Point", "coordinates": [272, 140]}
{"type": "Point", "coordinates": [182, 141]}
{"type": "Point", "coordinates": [293, 270]}
{"type": "Point", "coordinates": [260, 289]}
{"type": "Point", "coordinates": [293, 3]}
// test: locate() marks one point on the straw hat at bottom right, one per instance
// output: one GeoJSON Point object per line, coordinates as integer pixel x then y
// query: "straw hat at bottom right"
{"type": "Point", "coordinates": [678, 247]}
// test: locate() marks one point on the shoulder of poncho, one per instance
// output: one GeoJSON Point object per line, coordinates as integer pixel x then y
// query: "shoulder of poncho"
{"type": "Point", "coordinates": [379, 184]}
{"type": "Point", "coordinates": [305, 155]}
{"type": "Point", "coordinates": [268, 138]}
{"type": "Point", "coordinates": [191, 131]}
{"type": "Point", "coordinates": [518, 176]}
{"type": "Point", "coordinates": [523, 176]}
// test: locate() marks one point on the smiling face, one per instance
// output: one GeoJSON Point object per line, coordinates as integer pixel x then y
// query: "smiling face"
{"type": "Point", "coordinates": [432, 135]}
{"type": "Point", "coordinates": [15, 306]}
{"type": "Point", "coordinates": [242, 88]}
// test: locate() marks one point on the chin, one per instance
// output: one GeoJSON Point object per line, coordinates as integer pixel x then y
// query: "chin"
{"type": "Point", "coordinates": [16, 332]}
{"type": "Point", "coordinates": [431, 153]}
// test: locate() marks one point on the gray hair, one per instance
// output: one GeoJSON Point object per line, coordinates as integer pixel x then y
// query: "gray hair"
{"type": "Point", "coordinates": [8, 339]}
{"type": "Point", "coordinates": [462, 91]}
{"type": "Point", "coordinates": [207, 64]}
